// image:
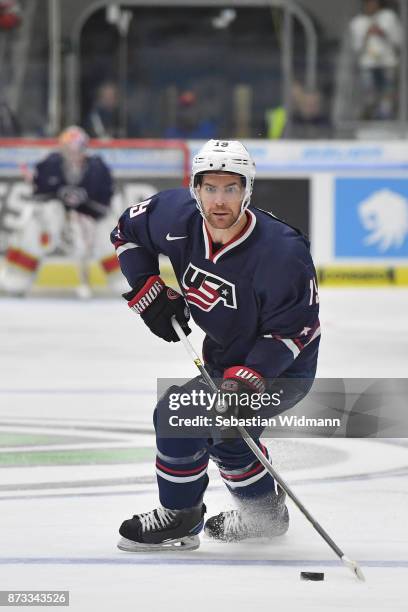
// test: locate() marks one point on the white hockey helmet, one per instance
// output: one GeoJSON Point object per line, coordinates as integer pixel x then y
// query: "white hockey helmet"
{"type": "Point", "coordinates": [223, 156]}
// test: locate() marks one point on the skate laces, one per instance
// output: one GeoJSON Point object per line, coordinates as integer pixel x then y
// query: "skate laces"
{"type": "Point", "coordinates": [161, 517]}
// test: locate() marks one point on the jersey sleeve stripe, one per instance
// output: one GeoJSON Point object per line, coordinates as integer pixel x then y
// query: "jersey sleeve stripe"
{"type": "Point", "coordinates": [291, 345]}
{"type": "Point", "coordinates": [125, 247]}
{"type": "Point", "coordinates": [295, 344]}
{"type": "Point", "coordinates": [314, 336]}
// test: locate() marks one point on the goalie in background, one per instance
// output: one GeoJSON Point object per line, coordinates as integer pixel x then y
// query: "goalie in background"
{"type": "Point", "coordinates": [70, 208]}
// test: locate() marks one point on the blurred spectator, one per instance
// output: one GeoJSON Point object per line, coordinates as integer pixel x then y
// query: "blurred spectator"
{"type": "Point", "coordinates": [9, 126]}
{"type": "Point", "coordinates": [10, 19]}
{"type": "Point", "coordinates": [309, 116]}
{"type": "Point", "coordinates": [375, 37]}
{"type": "Point", "coordinates": [103, 119]}
{"type": "Point", "coordinates": [275, 122]}
{"type": "Point", "coordinates": [10, 14]}
{"type": "Point", "coordinates": [188, 122]}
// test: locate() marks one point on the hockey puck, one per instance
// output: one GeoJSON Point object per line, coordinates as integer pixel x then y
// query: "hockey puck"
{"type": "Point", "coordinates": [316, 576]}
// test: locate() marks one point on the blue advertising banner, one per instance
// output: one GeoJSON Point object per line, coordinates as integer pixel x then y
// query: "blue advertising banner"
{"type": "Point", "coordinates": [371, 217]}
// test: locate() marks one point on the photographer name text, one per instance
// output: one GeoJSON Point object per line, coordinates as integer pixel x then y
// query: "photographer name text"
{"type": "Point", "coordinates": [253, 421]}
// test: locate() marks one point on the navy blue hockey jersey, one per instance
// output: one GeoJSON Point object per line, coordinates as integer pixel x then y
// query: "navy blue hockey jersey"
{"type": "Point", "coordinates": [49, 179]}
{"type": "Point", "coordinates": [255, 298]}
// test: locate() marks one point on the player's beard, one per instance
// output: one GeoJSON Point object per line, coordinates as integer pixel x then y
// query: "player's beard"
{"type": "Point", "coordinates": [223, 220]}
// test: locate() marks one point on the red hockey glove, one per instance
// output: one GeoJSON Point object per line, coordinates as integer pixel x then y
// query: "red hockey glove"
{"type": "Point", "coordinates": [157, 304]}
{"type": "Point", "coordinates": [238, 385]}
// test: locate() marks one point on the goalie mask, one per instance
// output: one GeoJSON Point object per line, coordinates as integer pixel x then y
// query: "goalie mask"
{"type": "Point", "coordinates": [73, 140]}
{"type": "Point", "coordinates": [223, 156]}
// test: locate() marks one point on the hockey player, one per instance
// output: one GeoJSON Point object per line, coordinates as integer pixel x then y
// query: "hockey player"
{"type": "Point", "coordinates": [250, 283]}
{"type": "Point", "coordinates": [82, 184]}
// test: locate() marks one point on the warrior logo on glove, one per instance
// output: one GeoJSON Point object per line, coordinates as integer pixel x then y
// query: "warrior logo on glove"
{"type": "Point", "coordinates": [157, 304]}
{"type": "Point", "coordinates": [143, 299]}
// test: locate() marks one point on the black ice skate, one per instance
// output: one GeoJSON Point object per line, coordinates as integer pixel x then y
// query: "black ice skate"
{"type": "Point", "coordinates": [265, 518]}
{"type": "Point", "coordinates": [163, 529]}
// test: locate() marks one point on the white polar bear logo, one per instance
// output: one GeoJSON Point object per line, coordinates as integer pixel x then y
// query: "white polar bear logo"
{"type": "Point", "coordinates": [385, 215]}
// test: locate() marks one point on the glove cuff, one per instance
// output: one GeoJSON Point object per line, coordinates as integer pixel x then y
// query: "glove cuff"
{"type": "Point", "coordinates": [247, 376]}
{"type": "Point", "coordinates": [146, 294]}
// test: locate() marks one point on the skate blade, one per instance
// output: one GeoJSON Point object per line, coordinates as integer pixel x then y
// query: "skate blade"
{"type": "Point", "coordinates": [181, 544]}
{"type": "Point", "coordinates": [250, 541]}
{"type": "Point", "coordinates": [263, 538]}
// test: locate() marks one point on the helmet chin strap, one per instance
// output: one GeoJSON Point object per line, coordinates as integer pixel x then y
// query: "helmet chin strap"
{"type": "Point", "coordinates": [243, 209]}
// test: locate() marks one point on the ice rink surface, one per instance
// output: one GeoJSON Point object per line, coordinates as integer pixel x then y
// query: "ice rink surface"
{"type": "Point", "coordinates": [77, 393]}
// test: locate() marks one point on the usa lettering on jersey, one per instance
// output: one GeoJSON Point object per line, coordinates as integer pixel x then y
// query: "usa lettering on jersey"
{"type": "Point", "coordinates": [205, 290]}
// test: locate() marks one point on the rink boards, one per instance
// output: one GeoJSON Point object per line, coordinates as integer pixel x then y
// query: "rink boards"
{"type": "Point", "coordinates": [351, 198]}
{"type": "Point", "coordinates": [65, 275]}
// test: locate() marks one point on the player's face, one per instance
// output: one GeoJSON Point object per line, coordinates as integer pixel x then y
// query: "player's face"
{"type": "Point", "coordinates": [221, 197]}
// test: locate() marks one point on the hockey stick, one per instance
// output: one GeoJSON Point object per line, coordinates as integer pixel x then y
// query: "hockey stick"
{"type": "Point", "coordinates": [352, 565]}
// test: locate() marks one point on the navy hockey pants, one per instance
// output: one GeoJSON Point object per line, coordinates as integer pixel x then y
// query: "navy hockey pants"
{"type": "Point", "coordinates": [181, 464]}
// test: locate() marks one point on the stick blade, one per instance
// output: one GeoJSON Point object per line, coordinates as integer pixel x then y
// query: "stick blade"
{"type": "Point", "coordinates": [354, 567]}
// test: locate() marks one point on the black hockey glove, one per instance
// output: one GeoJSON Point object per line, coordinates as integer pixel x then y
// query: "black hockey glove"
{"type": "Point", "coordinates": [72, 196]}
{"type": "Point", "coordinates": [157, 304]}
{"type": "Point", "coordinates": [237, 388]}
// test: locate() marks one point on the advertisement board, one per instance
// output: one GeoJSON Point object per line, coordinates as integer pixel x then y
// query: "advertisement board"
{"type": "Point", "coordinates": [371, 217]}
{"type": "Point", "coordinates": [350, 198]}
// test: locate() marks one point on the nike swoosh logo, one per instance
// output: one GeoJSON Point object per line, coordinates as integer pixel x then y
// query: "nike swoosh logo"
{"type": "Point", "coordinates": [168, 237]}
